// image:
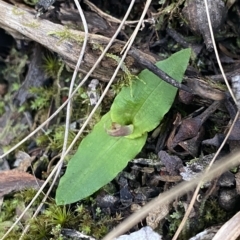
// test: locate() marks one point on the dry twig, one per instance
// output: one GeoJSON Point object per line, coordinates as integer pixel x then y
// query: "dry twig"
{"type": "Point", "coordinates": [69, 45]}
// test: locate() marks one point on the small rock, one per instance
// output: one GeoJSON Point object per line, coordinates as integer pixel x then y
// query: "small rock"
{"type": "Point", "coordinates": [227, 179]}
{"type": "Point", "coordinates": [171, 162]}
{"type": "Point", "coordinates": [228, 199]}
{"type": "Point", "coordinates": [142, 234]}
{"type": "Point", "coordinates": [107, 201]}
{"type": "Point", "coordinates": [125, 196]}
{"type": "Point", "coordinates": [43, 6]}
{"type": "Point", "coordinates": [195, 13]}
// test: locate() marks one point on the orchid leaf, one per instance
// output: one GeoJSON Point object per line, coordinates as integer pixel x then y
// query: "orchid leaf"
{"type": "Point", "coordinates": [122, 132]}
{"type": "Point", "coordinates": [98, 160]}
{"type": "Point", "coordinates": [149, 102]}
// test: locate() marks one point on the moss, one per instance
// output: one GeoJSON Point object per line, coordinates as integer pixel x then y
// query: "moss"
{"type": "Point", "coordinates": [51, 65]}
{"type": "Point", "coordinates": [49, 223]}
{"type": "Point", "coordinates": [31, 2]}
{"type": "Point", "coordinates": [17, 11]}
{"type": "Point", "coordinates": [60, 215]}
{"type": "Point", "coordinates": [98, 227]}
{"type": "Point", "coordinates": [15, 68]}
{"type": "Point", "coordinates": [66, 34]}
{"type": "Point", "coordinates": [43, 97]}
{"type": "Point", "coordinates": [33, 24]}
{"type": "Point", "coordinates": [39, 229]}
{"type": "Point", "coordinates": [8, 210]}
{"type": "Point", "coordinates": [27, 195]}
{"type": "Point", "coordinates": [209, 214]}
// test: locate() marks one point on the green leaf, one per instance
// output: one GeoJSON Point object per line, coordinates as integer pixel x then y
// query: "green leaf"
{"type": "Point", "coordinates": [149, 102]}
{"type": "Point", "coordinates": [99, 159]}
{"type": "Point", "coordinates": [122, 132]}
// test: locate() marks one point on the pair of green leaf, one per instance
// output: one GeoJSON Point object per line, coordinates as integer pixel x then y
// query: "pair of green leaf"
{"type": "Point", "coordinates": [101, 156]}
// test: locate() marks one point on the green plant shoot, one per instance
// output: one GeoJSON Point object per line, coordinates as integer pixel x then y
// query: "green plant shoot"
{"type": "Point", "coordinates": [122, 132]}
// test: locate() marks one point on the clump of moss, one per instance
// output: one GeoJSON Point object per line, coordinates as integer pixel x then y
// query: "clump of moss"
{"type": "Point", "coordinates": [51, 65]}
{"type": "Point", "coordinates": [212, 213]}
{"type": "Point", "coordinates": [27, 195]}
{"type": "Point", "coordinates": [66, 34]}
{"type": "Point", "coordinates": [16, 63]}
{"type": "Point", "coordinates": [209, 214]}
{"type": "Point", "coordinates": [54, 218]}
{"type": "Point", "coordinates": [8, 210]}
{"type": "Point", "coordinates": [53, 138]}
{"type": "Point", "coordinates": [43, 97]}
{"type": "Point", "coordinates": [12, 208]}
{"type": "Point", "coordinates": [31, 2]}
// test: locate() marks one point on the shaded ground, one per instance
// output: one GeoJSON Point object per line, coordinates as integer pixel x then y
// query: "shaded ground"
{"type": "Point", "coordinates": [34, 82]}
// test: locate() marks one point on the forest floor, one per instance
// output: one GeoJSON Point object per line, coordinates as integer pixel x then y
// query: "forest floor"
{"type": "Point", "coordinates": [39, 47]}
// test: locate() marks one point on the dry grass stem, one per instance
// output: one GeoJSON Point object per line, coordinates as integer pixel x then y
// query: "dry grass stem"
{"type": "Point", "coordinates": [84, 125]}
{"type": "Point", "coordinates": [187, 213]}
{"type": "Point", "coordinates": [73, 53]}
{"type": "Point", "coordinates": [201, 182]}
{"type": "Point", "coordinates": [216, 52]}
{"type": "Point", "coordinates": [68, 115]}
{"type": "Point", "coordinates": [178, 191]}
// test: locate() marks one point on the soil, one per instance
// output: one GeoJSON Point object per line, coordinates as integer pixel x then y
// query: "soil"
{"type": "Point", "coordinates": [35, 73]}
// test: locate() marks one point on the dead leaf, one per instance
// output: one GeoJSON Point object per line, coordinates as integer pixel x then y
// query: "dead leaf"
{"type": "Point", "coordinates": [23, 161]}
{"type": "Point", "coordinates": [189, 132]}
{"type": "Point", "coordinates": [188, 129]}
{"type": "Point", "coordinates": [191, 146]}
{"type": "Point", "coordinates": [216, 141]}
{"type": "Point", "coordinates": [164, 177]}
{"type": "Point", "coordinates": [171, 162]}
{"type": "Point", "coordinates": [13, 180]}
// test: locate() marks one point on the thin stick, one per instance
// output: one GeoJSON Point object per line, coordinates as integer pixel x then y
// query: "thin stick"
{"type": "Point", "coordinates": [157, 71]}
{"type": "Point", "coordinates": [68, 119]}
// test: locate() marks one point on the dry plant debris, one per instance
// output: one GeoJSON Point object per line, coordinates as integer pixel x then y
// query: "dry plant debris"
{"type": "Point", "coordinates": [35, 67]}
{"type": "Point", "coordinates": [13, 181]}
